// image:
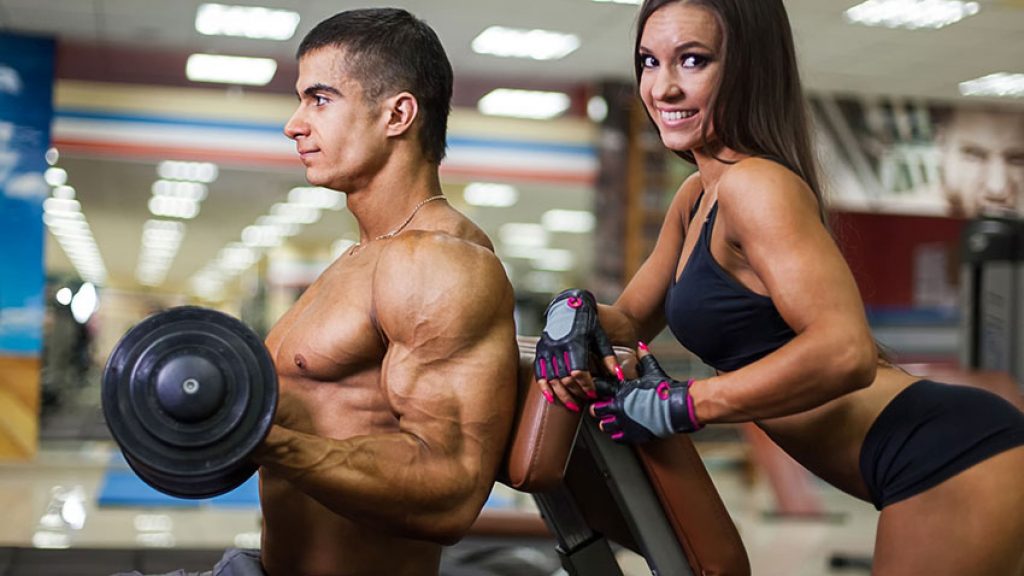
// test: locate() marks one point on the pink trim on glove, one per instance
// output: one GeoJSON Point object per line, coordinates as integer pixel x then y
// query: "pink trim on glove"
{"type": "Point", "coordinates": [691, 409]}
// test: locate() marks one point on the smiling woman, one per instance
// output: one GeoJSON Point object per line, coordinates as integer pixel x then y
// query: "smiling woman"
{"type": "Point", "coordinates": [747, 276]}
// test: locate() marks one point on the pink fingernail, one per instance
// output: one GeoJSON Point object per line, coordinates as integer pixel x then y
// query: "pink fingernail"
{"type": "Point", "coordinates": [602, 404]}
{"type": "Point", "coordinates": [642, 346]}
{"type": "Point", "coordinates": [618, 373]}
{"type": "Point", "coordinates": [618, 435]}
{"type": "Point", "coordinates": [591, 394]}
{"type": "Point", "coordinates": [607, 419]}
{"type": "Point", "coordinates": [547, 396]}
{"type": "Point", "coordinates": [543, 369]}
{"type": "Point", "coordinates": [572, 406]}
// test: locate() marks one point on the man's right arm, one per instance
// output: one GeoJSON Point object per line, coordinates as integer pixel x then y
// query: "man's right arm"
{"type": "Point", "coordinates": [449, 376]}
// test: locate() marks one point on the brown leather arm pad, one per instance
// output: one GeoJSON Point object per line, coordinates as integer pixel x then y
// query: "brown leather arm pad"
{"type": "Point", "coordinates": [542, 434]}
{"type": "Point", "coordinates": [693, 507]}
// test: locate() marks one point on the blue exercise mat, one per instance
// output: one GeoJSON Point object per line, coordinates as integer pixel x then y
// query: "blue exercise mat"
{"type": "Point", "coordinates": [122, 487]}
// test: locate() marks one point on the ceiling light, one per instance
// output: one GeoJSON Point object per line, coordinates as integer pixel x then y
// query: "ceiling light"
{"type": "Point", "coordinates": [317, 197]}
{"type": "Point", "coordinates": [160, 242]}
{"type": "Point", "coordinates": [55, 176]}
{"type": "Point", "coordinates": [204, 172]}
{"type": "Point", "coordinates": [295, 213]}
{"type": "Point", "coordinates": [518, 43]}
{"type": "Point", "coordinates": [554, 260]}
{"type": "Point", "coordinates": [246, 21]}
{"type": "Point", "coordinates": [597, 109]}
{"type": "Point", "coordinates": [230, 69]}
{"type": "Point", "coordinates": [572, 221]}
{"type": "Point", "coordinates": [523, 103]}
{"type": "Point", "coordinates": [523, 235]}
{"type": "Point", "coordinates": [259, 236]}
{"type": "Point", "coordinates": [64, 296]}
{"type": "Point", "coordinates": [1002, 84]}
{"type": "Point", "coordinates": [52, 155]}
{"type": "Point", "coordinates": [84, 303]}
{"type": "Point", "coordinates": [173, 207]}
{"type": "Point", "coordinates": [488, 194]}
{"type": "Point", "coordinates": [64, 192]}
{"type": "Point", "coordinates": [911, 14]}
{"type": "Point", "coordinates": [193, 191]}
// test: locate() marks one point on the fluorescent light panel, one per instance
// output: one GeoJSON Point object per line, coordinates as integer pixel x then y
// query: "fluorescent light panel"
{"type": "Point", "coordinates": [489, 194]}
{"type": "Point", "coordinates": [571, 221]}
{"type": "Point", "coordinates": [1000, 84]}
{"type": "Point", "coordinates": [63, 216]}
{"type": "Point", "coordinates": [523, 235]}
{"type": "Point", "coordinates": [912, 14]}
{"type": "Point", "coordinates": [230, 69]}
{"type": "Point", "coordinates": [204, 172]}
{"type": "Point", "coordinates": [246, 21]}
{"type": "Point", "coordinates": [535, 44]}
{"type": "Point", "coordinates": [523, 103]}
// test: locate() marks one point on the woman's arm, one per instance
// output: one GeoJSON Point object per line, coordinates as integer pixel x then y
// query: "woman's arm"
{"type": "Point", "coordinates": [639, 313]}
{"type": "Point", "coordinates": [770, 217]}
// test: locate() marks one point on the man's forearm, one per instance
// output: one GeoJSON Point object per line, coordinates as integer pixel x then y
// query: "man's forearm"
{"type": "Point", "coordinates": [393, 482]}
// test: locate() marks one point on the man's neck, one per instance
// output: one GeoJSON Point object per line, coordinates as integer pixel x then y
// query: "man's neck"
{"type": "Point", "coordinates": [391, 197]}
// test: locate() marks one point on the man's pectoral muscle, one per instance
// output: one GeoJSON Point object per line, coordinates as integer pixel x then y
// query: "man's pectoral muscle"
{"type": "Point", "coordinates": [445, 308]}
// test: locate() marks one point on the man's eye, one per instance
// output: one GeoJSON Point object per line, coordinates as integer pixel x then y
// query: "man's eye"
{"type": "Point", "coordinates": [974, 152]}
{"type": "Point", "coordinates": [319, 100]}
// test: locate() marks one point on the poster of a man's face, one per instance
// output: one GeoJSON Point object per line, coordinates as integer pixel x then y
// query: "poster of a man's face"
{"type": "Point", "coordinates": [982, 162]}
{"type": "Point", "coordinates": [917, 157]}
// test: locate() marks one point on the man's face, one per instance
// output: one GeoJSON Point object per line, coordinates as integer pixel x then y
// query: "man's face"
{"type": "Point", "coordinates": [340, 137]}
{"type": "Point", "coordinates": [983, 162]}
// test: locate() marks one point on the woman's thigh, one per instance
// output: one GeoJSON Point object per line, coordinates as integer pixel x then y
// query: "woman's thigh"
{"type": "Point", "coordinates": [970, 524]}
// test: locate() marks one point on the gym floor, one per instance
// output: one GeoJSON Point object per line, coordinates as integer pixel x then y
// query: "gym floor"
{"type": "Point", "coordinates": [50, 503]}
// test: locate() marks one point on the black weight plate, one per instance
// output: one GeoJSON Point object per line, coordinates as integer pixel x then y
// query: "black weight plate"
{"type": "Point", "coordinates": [188, 393]}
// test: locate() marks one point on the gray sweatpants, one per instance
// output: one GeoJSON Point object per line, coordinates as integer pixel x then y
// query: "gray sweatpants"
{"type": "Point", "coordinates": [235, 562]}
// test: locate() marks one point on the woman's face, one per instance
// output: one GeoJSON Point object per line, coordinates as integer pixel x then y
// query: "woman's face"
{"type": "Point", "coordinates": [680, 50]}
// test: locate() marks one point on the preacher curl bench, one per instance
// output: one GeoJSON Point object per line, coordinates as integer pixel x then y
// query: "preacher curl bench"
{"type": "Point", "coordinates": [655, 499]}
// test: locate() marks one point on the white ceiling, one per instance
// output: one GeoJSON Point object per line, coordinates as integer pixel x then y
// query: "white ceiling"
{"type": "Point", "coordinates": [835, 57]}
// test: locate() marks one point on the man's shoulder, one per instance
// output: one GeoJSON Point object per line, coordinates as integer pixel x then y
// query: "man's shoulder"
{"type": "Point", "coordinates": [418, 247]}
{"type": "Point", "coordinates": [427, 259]}
{"type": "Point", "coordinates": [427, 278]}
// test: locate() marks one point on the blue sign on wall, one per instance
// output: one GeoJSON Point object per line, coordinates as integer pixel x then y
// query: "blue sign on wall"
{"type": "Point", "coordinates": [26, 110]}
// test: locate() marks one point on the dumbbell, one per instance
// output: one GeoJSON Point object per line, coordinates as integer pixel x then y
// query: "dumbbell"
{"type": "Point", "coordinates": [188, 394]}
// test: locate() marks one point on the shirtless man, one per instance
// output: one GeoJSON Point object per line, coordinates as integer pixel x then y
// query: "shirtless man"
{"type": "Point", "coordinates": [397, 367]}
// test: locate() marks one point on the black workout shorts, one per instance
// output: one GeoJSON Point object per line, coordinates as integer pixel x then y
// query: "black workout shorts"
{"type": "Point", "coordinates": [929, 433]}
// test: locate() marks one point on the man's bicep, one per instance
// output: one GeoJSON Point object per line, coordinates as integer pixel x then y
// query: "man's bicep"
{"type": "Point", "coordinates": [450, 370]}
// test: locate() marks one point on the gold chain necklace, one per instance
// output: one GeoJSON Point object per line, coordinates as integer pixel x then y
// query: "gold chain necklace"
{"type": "Point", "coordinates": [402, 226]}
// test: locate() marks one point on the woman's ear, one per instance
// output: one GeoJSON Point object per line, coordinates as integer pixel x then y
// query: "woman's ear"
{"type": "Point", "coordinates": [402, 112]}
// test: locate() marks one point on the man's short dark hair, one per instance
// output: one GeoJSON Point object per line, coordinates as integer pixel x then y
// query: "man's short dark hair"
{"type": "Point", "coordinates": [389, 51]}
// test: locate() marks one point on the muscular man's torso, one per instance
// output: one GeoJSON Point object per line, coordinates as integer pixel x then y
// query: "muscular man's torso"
{"type": "Point", "coordinates": [328, 350]}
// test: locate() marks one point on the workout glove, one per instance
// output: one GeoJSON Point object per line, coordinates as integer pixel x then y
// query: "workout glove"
{"type": "Point", "coordinates": [569, 333]}
{"type": "Point", "coordinates": [651, 406]}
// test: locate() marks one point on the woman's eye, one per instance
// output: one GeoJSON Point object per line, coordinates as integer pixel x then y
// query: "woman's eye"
{"type": "Point", "coordinates": [648, 61]}
{"type": "Point", "coordinates": [694, 61]}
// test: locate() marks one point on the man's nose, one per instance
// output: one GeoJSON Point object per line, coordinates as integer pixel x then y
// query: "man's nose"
{"type": "Point", "coordinates": [997, 179]}
{"type": "Point", "coordinates": [296, 125]}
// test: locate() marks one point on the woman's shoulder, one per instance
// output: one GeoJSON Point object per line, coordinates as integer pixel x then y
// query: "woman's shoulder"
{"type": "Point", "coordinates": [753, 181]}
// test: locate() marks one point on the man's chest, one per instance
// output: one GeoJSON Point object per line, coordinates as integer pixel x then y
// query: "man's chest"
{"type": "Point", "coordinates": [330, 332]}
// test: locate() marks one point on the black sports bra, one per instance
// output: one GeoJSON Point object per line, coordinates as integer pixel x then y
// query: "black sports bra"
{"type": "Point", "coordinates": [716, 317]}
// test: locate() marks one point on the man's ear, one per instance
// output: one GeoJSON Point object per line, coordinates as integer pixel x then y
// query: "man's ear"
{"type": "Point", "coordinates": [402, 109]}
